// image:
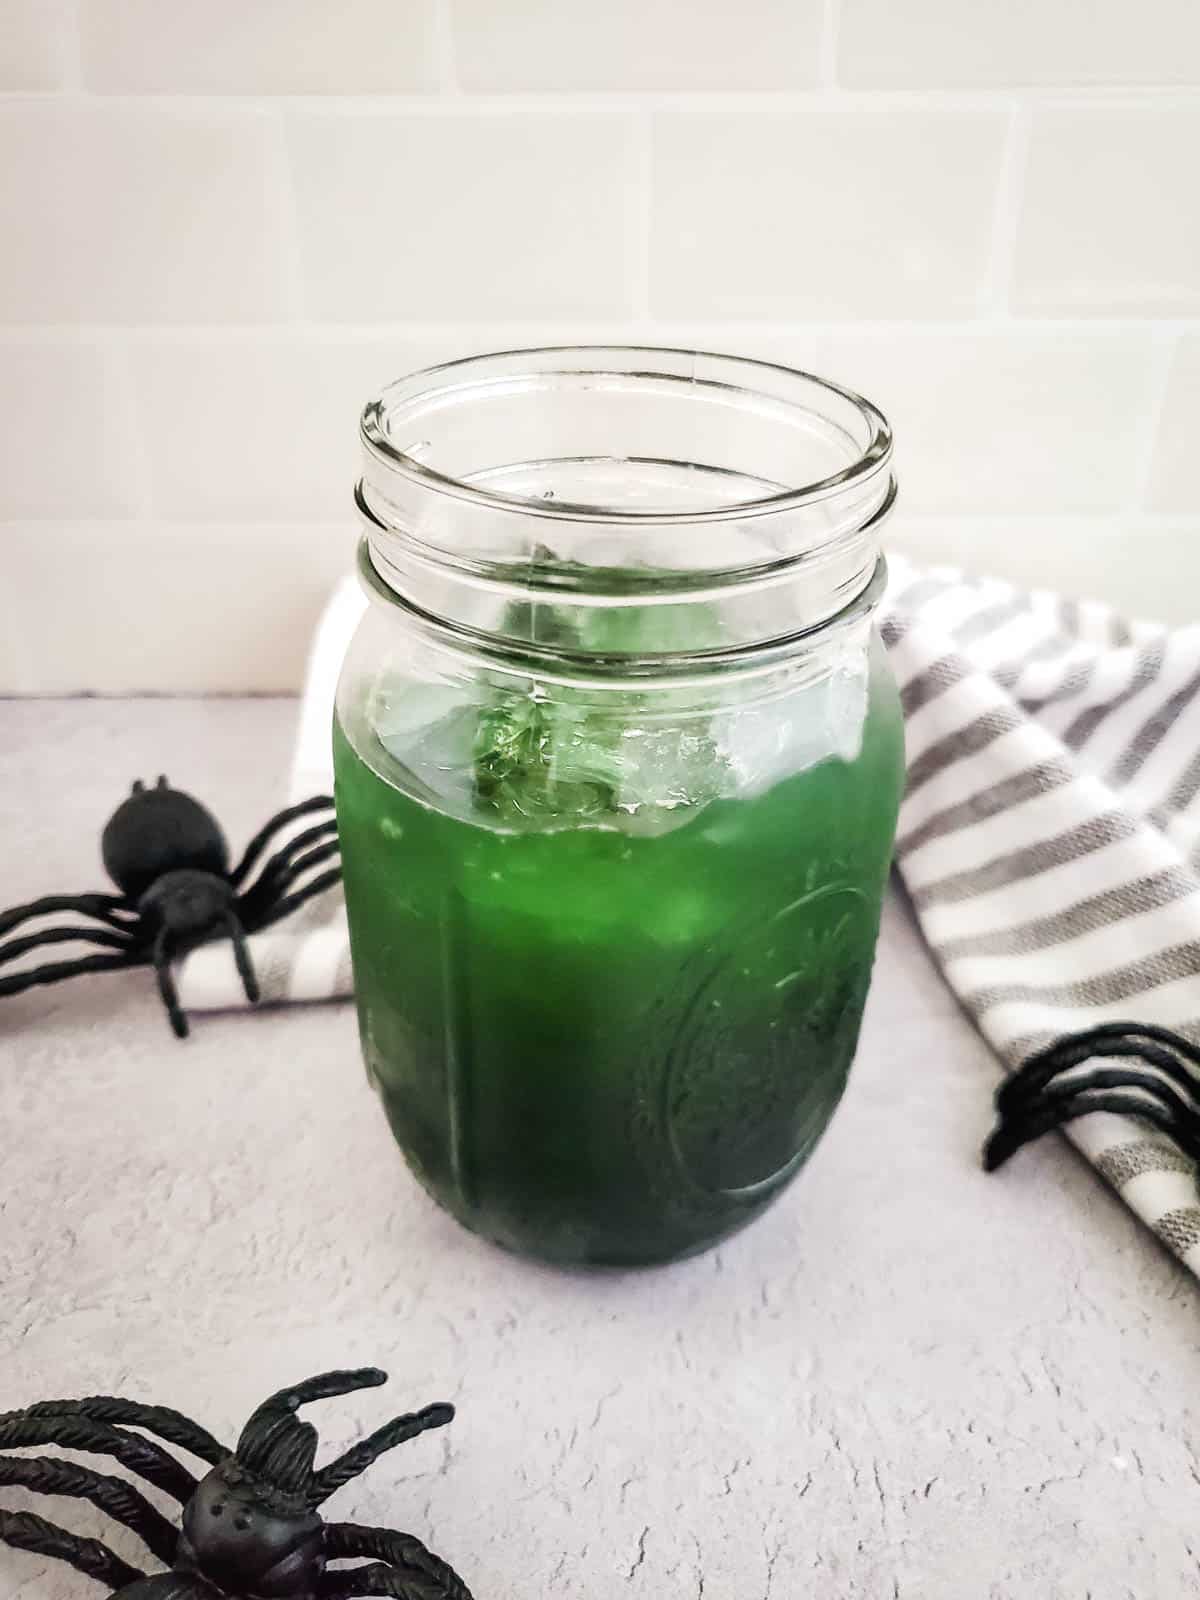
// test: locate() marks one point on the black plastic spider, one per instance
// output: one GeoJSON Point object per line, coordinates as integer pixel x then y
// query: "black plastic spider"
{"type": "Point", "coordinates": [167, 855]}
{"type": "Point", "coordinates": [1048, 1090]}
{"type": "Point", "coordinates": [250, 1528]}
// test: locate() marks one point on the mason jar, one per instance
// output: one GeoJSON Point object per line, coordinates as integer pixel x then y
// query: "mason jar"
{"type": "Point", "coordinates": [618, 760]}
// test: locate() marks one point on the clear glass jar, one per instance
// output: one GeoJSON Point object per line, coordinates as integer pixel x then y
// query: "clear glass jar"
{"type": "Point", "coordinates": [618, 761]}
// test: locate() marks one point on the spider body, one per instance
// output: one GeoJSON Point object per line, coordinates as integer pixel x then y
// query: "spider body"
{"type": "Point", "coordinates": [237, 1529]}
{"type": "Point", "coordinates": [170, 1586]}
{"type": "Point", "coordinates": [187, 901]}
{"type": "Point", "coordinates": [168, 858]}
{"type": "Point", "coordinates": [250, 1528]}
{"type": "Point", "coordinates": [159, 830]}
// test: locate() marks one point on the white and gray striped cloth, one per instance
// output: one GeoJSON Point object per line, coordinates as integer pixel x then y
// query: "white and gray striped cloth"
{"type": "Point", "coordinates": [1050, 833]}
{"type": "Point", "coordinates": [1049, 838]}
{"type": "Point", "coordinates": [307, 957]}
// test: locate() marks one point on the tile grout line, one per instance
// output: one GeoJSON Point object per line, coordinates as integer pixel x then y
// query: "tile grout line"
{"type": "Point", "coordinates": [16, 651]}
{"type": "Point", "coordinates": [996, 290]}
{"type": "Point", "coordinates": [827, 50]}
{"type": "Point", "coordinates": [1101, 328]}
{"type": "Point", "coordinates": [822, 97]}
{"type": "Point", "coordinates": [1162, 359]}
{"type": "Point", "coordinates": [445, 62]}
{"type": "Point", "coordinates": [118, 360]}
{"type": "Point", "coordinates": [641, 215]}
{"type": "Point", "coordinates": [289, 226]}
{"type": "Point", "coordinates": [73, 62]}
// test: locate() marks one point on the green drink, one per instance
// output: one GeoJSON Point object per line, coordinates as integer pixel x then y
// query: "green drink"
{"type": "Point", "coordinates": [617, 770]}
{"type": "Point", "coordinates": [597, 1046]}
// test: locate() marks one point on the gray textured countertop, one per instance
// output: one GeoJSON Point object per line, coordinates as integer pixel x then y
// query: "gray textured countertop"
{"type": "Point", "coordinates": [908, 1380]}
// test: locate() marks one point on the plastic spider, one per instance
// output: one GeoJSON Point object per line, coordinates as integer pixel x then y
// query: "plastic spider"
{"type": "Point", "coordinates": [250, 1528]}
{"type": "Point", "coordinates": [1048, 1090]}
{"type": "Point", "coordinates": [167, 855]}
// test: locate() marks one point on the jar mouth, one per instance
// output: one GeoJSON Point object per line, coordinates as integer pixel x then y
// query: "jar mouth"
{"type": "Point", "coordinates": [579, 478]}
{"type": "Point", "coordinates": [762, 386]}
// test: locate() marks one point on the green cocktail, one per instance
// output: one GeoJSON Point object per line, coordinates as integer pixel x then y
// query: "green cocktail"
{"type": "Point", "coordinates": [599, 1046]}
{"type": "Point", "coordinates": [618, 761]}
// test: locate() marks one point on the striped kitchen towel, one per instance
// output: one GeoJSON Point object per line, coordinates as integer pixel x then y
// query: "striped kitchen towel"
{"type": "Point", "coordinates": [1050, 834]}
{"type": "Point", "coordinates": [1049, 838]}
{"type": "Point", "coordinates": [307, 957]}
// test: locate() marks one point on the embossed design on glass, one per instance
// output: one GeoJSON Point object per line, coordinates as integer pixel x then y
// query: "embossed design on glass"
{"type": "Point", "coordinates": [759, 1057]}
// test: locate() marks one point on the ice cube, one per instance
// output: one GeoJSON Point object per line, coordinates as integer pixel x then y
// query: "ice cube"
{"type": "Point", "coordinates": [430, 735]}
{"type": "Point", "coordinates": [786, 733]}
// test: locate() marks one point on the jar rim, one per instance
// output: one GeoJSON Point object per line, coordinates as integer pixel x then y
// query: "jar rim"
{"type": "Point", "coordinates": [666, 669]}
{"type": "Point", "coordinates": [599, 585]}
{"type": "Point", "coordinates": [872, 457]}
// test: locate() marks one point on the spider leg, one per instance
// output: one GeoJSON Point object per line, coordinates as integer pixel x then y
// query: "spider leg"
{"type": "Point", "coordinates": [288, 904]}
{"type": "Point", "coordinates": [19, 1431]}
{"type": "Point", "coordinates": [1031, 1089]}
{"type": "Point", "coordinates": [1110, 1039]}
{"type": "Point", "coordinates": [376, 1579]}
{"type": "Point", "coordinates": [1037, 1097]}
{"type": "Point", "coordinates": [1142, 1030]}
{"type": "Point", "coordinates": [284, 856]}
{"type": "Point", "coordinates": [325, 1386]}
{"type": "Point", "coordinates": [311, 858]}
{"type": "Point", "coordinates": [122, 1502]}
{"type": "Point", "coordinates": [266, 892]}
{"type": "Point", "coordinates": [24, 1531]}
{"type": "Point", "coordinates": [1186, 1125]}
{"type": "Point", "coordinates": [55, 971]}
{"type": "Point", "coordinates": [360, 1456]}
{"type": "Point", "coordinates": [267, 889]}
{"type": "Point", "coordinates": [320, 802]}
{"type": "Point", "coordinates": [1105, 1089]}
{"type": "Point", "coordinates": [241, 955]}
{"type": "Point", "coordinates": [166, 984]}
{"type": "Point", "coordinates": [275, 1444]}
{"type": "Point", "coordinates": [400, 1551]}
{"type": "Point", "coordinates": [170, 1425]}
{"type": "Point", "coordinates": [1008, 1139]}
{"type": "Point", "coordinates": [31, 941]}
{"type": "Point", "coordinates": [104, 907]}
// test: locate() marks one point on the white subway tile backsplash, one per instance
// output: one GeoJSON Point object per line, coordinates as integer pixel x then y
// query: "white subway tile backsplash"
{"type": "Point", "coordinates": [129, 214]}
{"type": "Point", "coordinates": [205, 270]}
{"type": "Point", "coordinates": [822, 213]}
{"type": "Point", "coordinates": [987, 422]}
{"type": "Point", "coordinates": [1008, 421]}
{"type": "Point", "coordinates": [636, 44]}
{"type": "Point", "coordinates": [262, 427]}
{"type": "Point", "coordinates": [129, 607]}
{"type": "Point", "coordinates": [66, 445]}
{"type": "Point", "coordinates": [1109, 222]}
{"type": "Point", "coordinates": [1144, 567]}
{"type": "Point", "coordinates": [1175, 469]}
{"type": "Point", "coordinates": [259, 46]}
{"type": "Point", "coordinates": [946, 43]}
{"type": "Point", "coordinates": [37, 43]}
{"type": "Point", "coordinates": [473, 216]}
